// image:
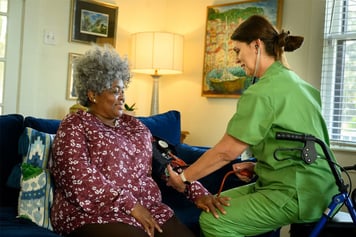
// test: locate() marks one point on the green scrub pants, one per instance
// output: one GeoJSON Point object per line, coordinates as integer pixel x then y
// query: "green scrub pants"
{"type": "Point", "coordinates": [250, 213]}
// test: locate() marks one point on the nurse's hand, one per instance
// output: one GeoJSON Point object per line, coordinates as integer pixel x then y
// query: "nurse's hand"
{"type": "Point", "coordinates": [244, 170]}
{"type": "Point", "coordinates": [174, 180]}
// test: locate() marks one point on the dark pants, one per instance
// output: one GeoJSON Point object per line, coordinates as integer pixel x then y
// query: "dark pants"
{"type": "Point", "coordinates": [172, 228]}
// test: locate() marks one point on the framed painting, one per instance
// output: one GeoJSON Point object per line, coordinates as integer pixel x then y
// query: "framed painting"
{"type": "Point", "coordinates": [71, 93]}
{"type": "Point", "coordinates": [222, 77]}
{"type": "Point", "coordinates": [93, 21]}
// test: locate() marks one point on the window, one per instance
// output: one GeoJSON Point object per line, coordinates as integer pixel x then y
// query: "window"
{"type": "Point", "coordinates": [3, 34]}
{"type": "Point", "coordinates": [338, 84]}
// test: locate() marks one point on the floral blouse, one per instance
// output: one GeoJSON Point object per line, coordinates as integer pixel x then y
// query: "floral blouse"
{"type": "Point", "coordinates": [101, 172]}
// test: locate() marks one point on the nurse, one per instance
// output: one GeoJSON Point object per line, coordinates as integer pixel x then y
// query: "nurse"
{"type": "Point", "coordinates": [287, 189]}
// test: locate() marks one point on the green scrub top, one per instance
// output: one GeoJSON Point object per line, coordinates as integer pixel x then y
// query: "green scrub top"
{"type": "Point", "coordinates": [282, 102]}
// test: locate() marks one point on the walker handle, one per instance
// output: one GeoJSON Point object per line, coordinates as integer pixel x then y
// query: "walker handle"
{"type": "Point", "coordinates": [294, 137]}
{"type": "Point", "coordinates": [309, 154]}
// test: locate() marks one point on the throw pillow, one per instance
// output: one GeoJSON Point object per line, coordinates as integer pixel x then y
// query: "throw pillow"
{"type": "Point", "coordinates": [36, 193]}
{"type": "Point", "coordinates": [35, 147]}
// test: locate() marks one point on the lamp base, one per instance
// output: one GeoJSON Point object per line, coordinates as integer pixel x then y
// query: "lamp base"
{"type": "Point", "coordinates": [155, 94]}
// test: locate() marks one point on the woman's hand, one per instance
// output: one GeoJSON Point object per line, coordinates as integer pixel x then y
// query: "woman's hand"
{"type": "Point", "coordinates": [210, 203]}
{"type": "Point", "coordinates": [244, 170]}
{"type": "Point", "coordinates": [143, 216]}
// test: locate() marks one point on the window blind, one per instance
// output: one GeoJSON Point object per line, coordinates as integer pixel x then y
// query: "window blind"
{"type": "Point", "coordinates": [338, 83]}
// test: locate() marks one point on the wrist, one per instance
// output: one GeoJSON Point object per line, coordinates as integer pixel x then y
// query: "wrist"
{"type": "Point", "coordinates": [184, 179]}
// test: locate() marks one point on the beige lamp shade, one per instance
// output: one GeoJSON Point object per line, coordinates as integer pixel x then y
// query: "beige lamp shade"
{"type": "Point", "coordinates": [157, 53]}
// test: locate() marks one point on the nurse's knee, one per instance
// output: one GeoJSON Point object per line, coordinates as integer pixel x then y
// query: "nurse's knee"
{"type": "Point", "coordinates": [207, 221]}
{"type": "Point", "coordinates": [216, 227]}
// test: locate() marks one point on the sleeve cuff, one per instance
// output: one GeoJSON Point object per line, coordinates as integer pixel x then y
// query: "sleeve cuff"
{"type": "Point", "coordinates": [195, 190]}
{"type": "Point", "coordinates": [126, 202]}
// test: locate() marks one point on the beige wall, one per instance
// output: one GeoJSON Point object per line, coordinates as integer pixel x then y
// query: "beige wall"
{"type": "Point", "coordinates": [43, 78]}
{"type": "Point", "coordinates": [43, 75]}
{"type": "Point", "coordinates": [43, 72]}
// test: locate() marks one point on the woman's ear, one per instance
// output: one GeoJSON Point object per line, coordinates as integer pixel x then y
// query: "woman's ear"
{"type": "Point", "coordinates": [91, 96]}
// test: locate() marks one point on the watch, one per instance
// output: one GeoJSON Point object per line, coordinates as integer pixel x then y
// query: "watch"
{"type": "Point", "coordinates": [184, 178]}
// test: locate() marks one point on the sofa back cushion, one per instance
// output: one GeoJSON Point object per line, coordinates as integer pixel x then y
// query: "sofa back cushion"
{"type": "Point", "coordinates": [43, 125]}
{"type": "Point", "coordinates": [165, 126]}
{"type": "Point", "coordinates": [11, 127]}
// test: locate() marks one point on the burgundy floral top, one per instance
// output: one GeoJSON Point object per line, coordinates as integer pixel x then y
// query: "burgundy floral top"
{"type": "Point", "coordinates": [101, 172]}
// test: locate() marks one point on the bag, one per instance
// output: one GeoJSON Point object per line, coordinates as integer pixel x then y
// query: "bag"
{"type": "Point", "coordinates": [162, 155]}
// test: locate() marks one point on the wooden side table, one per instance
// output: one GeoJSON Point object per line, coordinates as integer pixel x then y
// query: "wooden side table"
{"type": "Point", "coordinates": [183, 135]}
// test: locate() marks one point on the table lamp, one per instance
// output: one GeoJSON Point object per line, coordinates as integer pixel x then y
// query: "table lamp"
{"type": "Point", "coordinates": [157, 54]}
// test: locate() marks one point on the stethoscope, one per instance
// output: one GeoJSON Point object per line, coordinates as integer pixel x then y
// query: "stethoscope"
{"type": "Point", "coordinates": [255, 79]}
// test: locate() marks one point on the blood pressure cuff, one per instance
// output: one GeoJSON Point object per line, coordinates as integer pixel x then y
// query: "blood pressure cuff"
{"type": "Point", "coordinates": [162, 155]}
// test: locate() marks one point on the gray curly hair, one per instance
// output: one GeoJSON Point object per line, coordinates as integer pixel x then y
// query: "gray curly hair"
{"type": "Point", "coordinates": [97, 69]}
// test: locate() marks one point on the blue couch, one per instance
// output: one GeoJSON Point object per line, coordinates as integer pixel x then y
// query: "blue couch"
{"type": "Point", "coordinates": [165, 125]}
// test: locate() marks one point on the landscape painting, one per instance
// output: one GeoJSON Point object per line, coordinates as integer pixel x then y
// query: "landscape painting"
{"type": "Point", "coordinates": [222, 77]}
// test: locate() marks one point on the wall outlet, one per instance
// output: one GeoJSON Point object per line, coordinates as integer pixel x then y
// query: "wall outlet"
{"type": "Point", "coordinates": [49, 37]}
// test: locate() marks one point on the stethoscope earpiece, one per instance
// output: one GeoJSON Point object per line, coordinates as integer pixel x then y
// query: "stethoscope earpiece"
{"type": "Point", "coordinates": [257, 60]}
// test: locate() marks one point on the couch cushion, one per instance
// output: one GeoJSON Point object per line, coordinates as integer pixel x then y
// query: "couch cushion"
{"type": "Point", "coordinates": [44, 125]}
{"type": "Point", "coordinates": [189, 153]}
{"type": "Point", "coordinates": [165, 126]}
{"type": "Point", "coordinates": [11, 127]}
{"type": "Point", "coordinates": [11, 226]}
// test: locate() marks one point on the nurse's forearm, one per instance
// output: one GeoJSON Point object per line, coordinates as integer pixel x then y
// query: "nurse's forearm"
{"type": "Point", "coordinates": [206, 164]}
{"type": "Point", "coordinates": [225, 151]}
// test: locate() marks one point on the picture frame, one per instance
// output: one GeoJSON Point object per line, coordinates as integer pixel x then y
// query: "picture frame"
{"type": "Point", "coordinates": [71, 93]}
{"type": "Point", "coordinates": [93, 21]}
{"type": "Point", "coordinates": [222, 77]}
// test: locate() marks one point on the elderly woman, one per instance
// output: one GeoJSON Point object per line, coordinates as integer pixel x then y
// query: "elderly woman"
{"type": "Point", "coordinates": [102, 161]}
{"type": "Point", "coordinates": [288, 189]}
